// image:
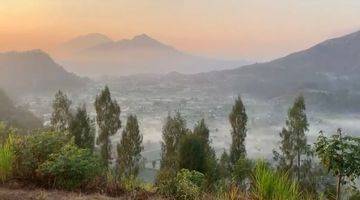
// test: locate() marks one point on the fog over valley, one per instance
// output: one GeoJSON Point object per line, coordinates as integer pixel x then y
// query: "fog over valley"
{"type": "Point", "coordinates": [327, 75]}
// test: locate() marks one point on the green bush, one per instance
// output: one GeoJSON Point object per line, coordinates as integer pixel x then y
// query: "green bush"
{"type": "Point", "coordinates": [6, 158]}
{"type": "Point", "coordinates": [242, 170]}
{"type": "Point", "coordinates": [71, 167]}
{"type": "Point", "coordinates": [33, 150]}
{"type": "Point", "coordinates": [269, 185]}
{"type": "Point", "coordinates": [166, 183]}
{"type": "Point", "coordinates": [189, 184]}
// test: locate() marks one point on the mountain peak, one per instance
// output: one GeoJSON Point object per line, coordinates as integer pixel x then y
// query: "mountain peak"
{"type": "Point", "coordinates": [145, 39]}
{"type": "Point", "coordinates": [142, 37]}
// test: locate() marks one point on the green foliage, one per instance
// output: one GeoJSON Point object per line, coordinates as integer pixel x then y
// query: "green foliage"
{"type": "Point", "coordinates": [33, 150]}
{"type": "Point", "coordinates": [224, 165]}
{"type": "Point", "coordinates": [293, 145]}
{"type": "Point", "coordinates": [340, 155]}
{"type": "Point", "coordinates": [210, 162]}
{"type": "Point", "coordinates": [202, 130]}
{"type": "Point", "coordinates": [108, 121]}
{"type": "Point", "coordinates": [173, 130]}
{"type": "Point", "coordinates": [71, 167]}
{"type": "Point", "coordinates": [270, 185]}
{"type": "Point", "coordinates": [129, 149]}
{"type": "Point", "coordinates": [189, 184]}
{"type": "Point", "coordinates": [82, 129]}
{"type": "Point", "coordinates": [242, 170]}
{"type": "Point", "coordinates": [61, 116]}
{"type": "Point", "coordinates": [166, 182]}
{"type": "Point", "coordinates": [238, 120]}
{"type": "Point", "coordinates": [192, 153]}
{"type": "Point", "coordinates": [7, 156]}
{"type": "Point", "coordinates": [4, 134]}
{"type": "Point", "coordinates": [355, 195]}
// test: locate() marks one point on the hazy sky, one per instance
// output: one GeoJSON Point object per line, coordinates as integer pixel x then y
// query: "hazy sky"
{"type": "Point", "coordinates": [252, 29]}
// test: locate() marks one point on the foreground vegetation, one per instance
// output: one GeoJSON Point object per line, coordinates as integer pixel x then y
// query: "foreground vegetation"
{"type": "Point", "coordinates": [69, 155]}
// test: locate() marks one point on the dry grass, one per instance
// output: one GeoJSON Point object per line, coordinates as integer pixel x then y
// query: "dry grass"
{"type": "Point", "coordinates": [40, 194]}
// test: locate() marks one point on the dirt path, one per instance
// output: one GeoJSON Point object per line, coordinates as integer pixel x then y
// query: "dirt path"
{"type": "Point", "coordinates": [38, 194]}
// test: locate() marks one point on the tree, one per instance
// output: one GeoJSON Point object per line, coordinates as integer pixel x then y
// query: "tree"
{"type": "Point", "coordinates": [297, 125]}
{"type": "Point", "coordinates": [108, 121]}
{"type": "Point", "coordinates": [287, 156]}
{"type": "Point", "coordinates": [173, 130]}
{"type": "Point", "coordinates": [340, 155]}
{"type": "Point", "coordinates": [82, 129]}
{"type": "Point", "coordinates": [202, 131]}
{"type": "Point", "coordinates": [192, 153]}
{"type": "Point", "coordinates": [293, 145]}
{"type": "Point", "coordinates": [129, 148]}
{"type": "Point", "coordinates": [238, 120]}
{"type": "Point", "coordinates": [61, 115]}
{"type": "Point", "coordinates": [224, 165]}
{"type": "Point", "coordinates": [211, 169]}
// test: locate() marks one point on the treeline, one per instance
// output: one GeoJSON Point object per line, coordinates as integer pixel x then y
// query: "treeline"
{"type": "Point", "coordinates": [16, 116]}
{"type": "Point", "coordinates": [70, 155]}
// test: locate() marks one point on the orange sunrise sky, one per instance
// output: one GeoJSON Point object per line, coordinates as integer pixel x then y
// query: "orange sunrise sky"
{"type": "Point", "coordinates": [231, 29]}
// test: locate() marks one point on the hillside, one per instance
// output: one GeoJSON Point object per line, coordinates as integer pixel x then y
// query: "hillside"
{"type": "Point", "coordinates": [141, 54]}
{"type": "Point", "coordinates": [16, 116]}
{"type": "Point", "coordinates": [327, 73]}
{"type": "Point", "coordinates": [34, 71]}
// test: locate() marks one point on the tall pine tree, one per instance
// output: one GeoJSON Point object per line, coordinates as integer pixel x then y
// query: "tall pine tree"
{"type": "Point", "coordinates": [173, 130]}
{"type": "Point", "coordinates": [202, 131]}
{"type": "Point", "coordinates": [108, 121]}
{"type": "Point", "coordinates": [129, 149]}
{"type": "Point", "coordinates": [61, 115]}
{"type": "Point", "coordinates": [238, 120]}
{"type": "Point", "coordinates": [293, 145]}
{"type": "Point", "coordinates": [82, 129]}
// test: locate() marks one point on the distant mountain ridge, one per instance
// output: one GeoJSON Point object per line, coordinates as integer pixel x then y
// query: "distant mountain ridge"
{"type": "Point", "coordinates": [34, 71]}
{"type": "Point", "coordinates": [329, 72]}
{"type": "Point", "coordinates": [141, 54]}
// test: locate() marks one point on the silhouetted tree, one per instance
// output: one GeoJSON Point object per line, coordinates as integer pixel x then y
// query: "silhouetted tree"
{"type": "Point", "coordinates": [238, 120]}
{"type": "Point", "coordinates": [173, 130]}
{"type": "Point", "coordinates": [192, 153]}
{"type": "Point", "coordinates": [82, 129]}
{"type": "Point", "coordinates": [108, 121]}
{"type": "Point", "coordinates": [293, 145]}
{"type": "Point", "coordinates": [129, 149]}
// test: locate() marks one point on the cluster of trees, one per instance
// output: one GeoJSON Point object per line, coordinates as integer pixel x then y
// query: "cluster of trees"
{"type": "Point", "coordinates": [183, 148]}
{"type": "Point", "coordinates": [82, 128]}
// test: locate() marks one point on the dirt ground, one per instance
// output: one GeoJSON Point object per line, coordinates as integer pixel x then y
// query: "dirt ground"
{"type": "Point", "coordinates": [39, 194]}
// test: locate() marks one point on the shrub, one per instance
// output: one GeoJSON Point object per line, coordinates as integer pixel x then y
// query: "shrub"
{"type": "Point", "coordinates": [242, 170]}
{"type": "Point", "coordinates": [33, 150]}
{"type": "Point", "coordinates": [71, 167]}
{"type": "Point", "coordinates": [166, 182]}
{"type": "Point", "coordinates": [269, 185]}
{"type": "Point", "coordinates": [189, 184]}
{"type": "Point", "coordinates": [6, 158]}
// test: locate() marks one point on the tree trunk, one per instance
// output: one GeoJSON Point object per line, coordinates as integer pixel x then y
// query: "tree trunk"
{"type": "Point", "coordinates": [338, 187]}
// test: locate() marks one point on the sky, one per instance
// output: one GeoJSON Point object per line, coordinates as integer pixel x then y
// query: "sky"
{"type": "Point", "coordinates": [255, 30]}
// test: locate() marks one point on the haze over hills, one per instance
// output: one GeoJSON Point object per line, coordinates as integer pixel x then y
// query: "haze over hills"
{"type": "Point", "coordinates": [16, 116]}
{"type": "Point", "coordinates": [329, 71]}
{"type": "Point", "coordinates": [34, 71]}
{"type": "Point", "coordinates": [96, 55]}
